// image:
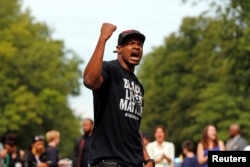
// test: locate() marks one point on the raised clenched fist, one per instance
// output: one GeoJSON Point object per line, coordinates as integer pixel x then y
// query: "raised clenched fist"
{"type": "Point", "coordinates": [106, 30]}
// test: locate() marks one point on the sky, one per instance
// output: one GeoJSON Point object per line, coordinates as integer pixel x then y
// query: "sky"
{"type": "Point", "coordinates": [78, 23]}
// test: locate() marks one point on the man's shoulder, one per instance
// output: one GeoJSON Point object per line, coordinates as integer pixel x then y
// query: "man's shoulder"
{"type": "Point", "coordinates": [110, 62]}
{"type": "Point", "coordinates": [242, 139]}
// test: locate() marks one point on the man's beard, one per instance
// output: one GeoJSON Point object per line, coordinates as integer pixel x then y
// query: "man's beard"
{"type": "Point", "coordinates": [87, 133]}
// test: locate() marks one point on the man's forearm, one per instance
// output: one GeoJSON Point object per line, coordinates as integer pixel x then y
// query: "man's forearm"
{"type": "Point", "coordinates": [92, 72]}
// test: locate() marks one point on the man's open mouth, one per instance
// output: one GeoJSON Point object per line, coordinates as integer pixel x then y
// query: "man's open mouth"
{"type": "Point", "coordinates": [135, 54]}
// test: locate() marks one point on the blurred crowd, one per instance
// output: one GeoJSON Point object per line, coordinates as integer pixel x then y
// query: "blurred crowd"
{"type": "Point", "coordinates": [43, 151]}
{"type": "Point", "coordinates": [163, 151]}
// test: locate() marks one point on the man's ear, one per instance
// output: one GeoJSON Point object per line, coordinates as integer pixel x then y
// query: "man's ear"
{"type": "Point", "coordinates": [118, 49]}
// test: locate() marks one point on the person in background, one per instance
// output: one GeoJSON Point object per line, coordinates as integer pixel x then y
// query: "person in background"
{"type": "Point", "coordinates": [209, 142]}
{"type": "Point", "coordinates": [36, 156]}
{"type": "Point", "coordinates": [235, 142]}
{"type": "Point", "coordinates": [1, 144]}
{"type": "Point", "coordinates": [161, 151]}
{"type": "Point", "coordinates": [53, 139]}
{"type": "Point", "coordinates": [1, 148]}
{"type": "Point", "coordinates": [145, 138]}
{"type": "Point", "coordinates": [247, 148]}
{"type": "Point", "coordinates": [12, 156]}
{"type": "Point", "coordinates": [190, 159]}
{"type": "Point", "coordinates": [81, 147]}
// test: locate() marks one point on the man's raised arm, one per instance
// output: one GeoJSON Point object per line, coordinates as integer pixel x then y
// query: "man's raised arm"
{"type": "Point", "coordinates": [92, 77]}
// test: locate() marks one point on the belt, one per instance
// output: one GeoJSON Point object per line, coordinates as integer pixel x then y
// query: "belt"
{"type": "Point", "coordinates": [106, 163]}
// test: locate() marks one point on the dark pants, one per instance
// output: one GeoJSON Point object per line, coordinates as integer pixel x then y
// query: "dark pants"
{"type": "Point", "coordinates": [106, 163]}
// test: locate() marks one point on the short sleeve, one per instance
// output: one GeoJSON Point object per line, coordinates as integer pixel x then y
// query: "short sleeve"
{"type": "Point", "coordinates": [105, 71]}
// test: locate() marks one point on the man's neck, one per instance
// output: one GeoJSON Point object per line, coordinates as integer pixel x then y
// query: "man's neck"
{"type": "Point", "coordinates": [126, 66]}
{"type": "Point", "coordinates": [87, 134]}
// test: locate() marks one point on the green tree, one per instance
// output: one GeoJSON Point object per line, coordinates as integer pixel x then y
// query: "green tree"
{"type": "Point", "coordinates": [200, 75]}
{"type": "Point", "coordinates": [37, 74]}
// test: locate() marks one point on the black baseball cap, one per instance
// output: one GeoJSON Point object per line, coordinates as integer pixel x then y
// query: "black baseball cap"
{"type": "Point", "coordinates": [38, 138]}
{"type": "Point", "coordinates": [128, 33]}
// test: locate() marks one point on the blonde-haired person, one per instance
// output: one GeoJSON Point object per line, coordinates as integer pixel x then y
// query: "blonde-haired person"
{"type": "Point", "coordinates": [53, 139]}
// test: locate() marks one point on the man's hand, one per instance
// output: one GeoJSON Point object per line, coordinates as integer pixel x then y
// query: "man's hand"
{"type": "Point", "coordinates": [107, 30]}
{"type": "Point", "coordinates": [149, 164]}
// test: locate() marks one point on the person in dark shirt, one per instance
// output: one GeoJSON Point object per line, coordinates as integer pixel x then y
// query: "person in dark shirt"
{"type": "Point", "coordinates": [36, 156]}
{"type": "Point", "coordinates": [81, 147]}
{"type": "Point", "coordinates": [118, 102]}
{"type": "Point", "coordinates": [11, 155]}
{"type": "Point", "coordinates": [53, 139]}
{"type": "Point", "coordinates": [190, 159]}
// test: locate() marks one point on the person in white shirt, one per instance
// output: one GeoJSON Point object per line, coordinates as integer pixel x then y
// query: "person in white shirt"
{"type": "Point", "coordinates": [160, 150]}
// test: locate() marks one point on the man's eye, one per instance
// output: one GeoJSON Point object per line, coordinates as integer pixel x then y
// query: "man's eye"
{"type": "Point", "coordinates": [134, 43]}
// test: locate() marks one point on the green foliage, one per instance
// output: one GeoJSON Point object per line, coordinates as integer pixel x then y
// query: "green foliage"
{"type": "Point", "coordinates": [200, 76]}
{"type": "Point", "coordinates": [37, 74]}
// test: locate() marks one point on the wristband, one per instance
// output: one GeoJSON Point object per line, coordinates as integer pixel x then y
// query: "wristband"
{"type": "Point", "coordinates": [149, 160]}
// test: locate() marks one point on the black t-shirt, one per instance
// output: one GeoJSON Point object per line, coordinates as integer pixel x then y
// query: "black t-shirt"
{"type": "Point", "coordinates": [11, 162]}
{"type": "Point", "coordinates": [32, 161]}
{"type": "Point", "coordinates": [118, 108]}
